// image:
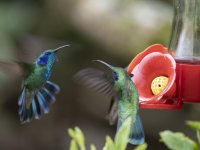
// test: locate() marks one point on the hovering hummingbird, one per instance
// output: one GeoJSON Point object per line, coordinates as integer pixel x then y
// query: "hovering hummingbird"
{"type": "Point", "coordinates": [37, 91]}
{"type": "Point", "coordinates": [122, 89]}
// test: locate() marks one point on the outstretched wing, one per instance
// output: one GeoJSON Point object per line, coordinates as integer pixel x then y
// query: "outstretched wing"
{"type": "Point", "coordinates": [96, 79]}
{"type": "Point", "coordinates": [112, 114]}
{"type": "Point", "coordinates": [16, 69]}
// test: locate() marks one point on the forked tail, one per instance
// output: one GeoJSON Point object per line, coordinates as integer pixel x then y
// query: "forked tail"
{"type": "Point", "coordinates": [40, 102]}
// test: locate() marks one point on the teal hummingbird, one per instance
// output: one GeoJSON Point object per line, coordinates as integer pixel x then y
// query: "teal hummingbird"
{"type": "Point", "coordinates": [37, 91]}
{"type": "Point", "coordinates": [122, 89]}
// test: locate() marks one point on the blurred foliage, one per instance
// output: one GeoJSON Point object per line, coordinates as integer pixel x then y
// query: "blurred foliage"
{"type": "Point", "coordinates": [173, 140]}
{"type": "Point", "coordinates": [196, 126]}
{"type": "Point", "coordinates": [141, 147]}
{"type": "Point", "coordinates": [178, 141]}
{"type": "Point", "coordinates": [78, 138]}
{"type": "Point", "coordinates": [120, 142]}
{"type": "Point", "coordinates": [16, 18]}
{"type": "Point", "coordinates": [121, 138]}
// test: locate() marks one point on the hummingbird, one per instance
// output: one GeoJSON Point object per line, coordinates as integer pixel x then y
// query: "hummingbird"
{"type": "Point", "coordinates": [37, 92]}
{"type": "Point", "coordinates": [122, 89]}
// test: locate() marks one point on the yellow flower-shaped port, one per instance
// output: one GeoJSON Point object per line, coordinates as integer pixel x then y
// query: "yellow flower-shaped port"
{"type": "Point", "coordinates": [158, 84]}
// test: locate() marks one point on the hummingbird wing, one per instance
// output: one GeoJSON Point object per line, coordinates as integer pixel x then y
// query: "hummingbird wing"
{"type": "Point", "coordinates": [101, 82]}
{"type": "Point", "coordinates": [15, 68]}
{"type": "Point", "coordinates": [96, 79]}
{"type": "Point", "coordinates": [112, 111]}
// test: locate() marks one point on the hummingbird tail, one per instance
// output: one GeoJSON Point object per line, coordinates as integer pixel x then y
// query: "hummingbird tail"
{"type": "Point", "coordinates": [136, 136]}
{"type": "Point", "coordinates": [137, 132]}
{"type": "Point", "coordinates": [49, 91]}
{"type": "Point", "coordinates": [52, 87]}
{"type": "Point", "coordinates": [46, 95]}
{"type": "Point", "coordinates": [40, 102]}
{"type": "Point", "coordinates": [25, 113]}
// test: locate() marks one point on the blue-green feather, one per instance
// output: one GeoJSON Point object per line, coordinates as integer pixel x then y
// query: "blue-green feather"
{"type": "Point", "coordinates": [38, 92]}
{"type": "Point", "coordinates": [43, 103]}
{"type": "Point", "coordinates": [136, 136]}
{"type": "Point", "coordinates": [39, 103]}
{"type": "Point", "coordinates": [49, 97]}
{"type": "Point", "coordinates": [36, 109]}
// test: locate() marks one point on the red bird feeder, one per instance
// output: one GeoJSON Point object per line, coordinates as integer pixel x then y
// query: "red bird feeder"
{"type": "Point", "coordinates": [168, 77]}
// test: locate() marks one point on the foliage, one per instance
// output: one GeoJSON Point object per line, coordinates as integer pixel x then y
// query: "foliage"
{"type": "Point", "coordinates": [177, 141]}
{"type": "Point", "coordinates": [173, 140]}
{"type": "Point", "coordinates": [141, 147]}
{"type": "Point", "coordinates": [78, 139]}
{"type": "Point", "coordinates": [120, 141]}
{"type": "Point", "coordinates": [196, 126]}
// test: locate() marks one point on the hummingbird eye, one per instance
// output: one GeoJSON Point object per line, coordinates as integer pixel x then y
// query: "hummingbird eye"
{"type": "Point", "coordinates": [115, 76]}
{"type": "Point", "coordinates": [131, 75]}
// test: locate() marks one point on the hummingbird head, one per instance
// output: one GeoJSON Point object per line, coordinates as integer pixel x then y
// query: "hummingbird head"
{"type": "Point", "coordinates": [117, 72]}
{"type": "Point", "coordinates": [48, 56]}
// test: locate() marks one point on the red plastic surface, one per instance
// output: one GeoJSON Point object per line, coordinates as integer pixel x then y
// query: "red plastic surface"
{"type": "Point", "coordinates": [188, 82]}
{"type": "Point", "coordinates": [187, 88]}
{"type": "Point", "coordinates": [170, 104]}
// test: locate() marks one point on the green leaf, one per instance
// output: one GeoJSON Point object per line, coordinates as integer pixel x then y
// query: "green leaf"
{"type": "Point", "coordinates": [198, 136]}
{"type": "Point", "coordinates": [73, 145]}
{"type": "Point", "coordinates": [122, 136]}
{"type": "Point", "coordinates": [92, 147]}
{"type": "Point", "coordinates": [194, 125]}
{"type": "Point", "coordinates": [72, 133]}
{"type": "Point", "coordinates": [109, 144]}
{"type": "Point", "coordinates": [78, 137]}
{"type": "Point", "coordinates": [177, 141]}
{"type": "Point", "coordinates": [141, 147]}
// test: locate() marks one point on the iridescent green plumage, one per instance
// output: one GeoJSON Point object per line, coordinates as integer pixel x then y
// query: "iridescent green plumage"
{"type": "Point", "coordinates": [122, 89]}
{"type": "Point", "coordinates": [128, 99]}
{"type": "Point", "coordinates": [37, 92]}
{"type": "Point", "coordinates": [40, 73]}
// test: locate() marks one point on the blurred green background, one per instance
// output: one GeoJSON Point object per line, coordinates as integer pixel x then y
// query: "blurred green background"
{"type": "Point", "coordinates": [110, 30]}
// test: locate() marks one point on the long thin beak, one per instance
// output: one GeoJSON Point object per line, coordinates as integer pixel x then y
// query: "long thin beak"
{"type": "Point", "coordinates": [106, 64]}
{"type": "Point", "coordinates": [59, 48]}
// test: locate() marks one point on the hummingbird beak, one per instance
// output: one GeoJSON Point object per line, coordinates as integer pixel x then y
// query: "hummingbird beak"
{"type": "Point", "coordinates": [106, 64]}
{"type": "Point", "coordinates": [57, 49]}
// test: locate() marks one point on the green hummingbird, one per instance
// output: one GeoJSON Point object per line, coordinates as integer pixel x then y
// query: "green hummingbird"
{"type": "Point", "coordinates": [37, 91]}
{"type": "Point", "coordinates": [121, 88]}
